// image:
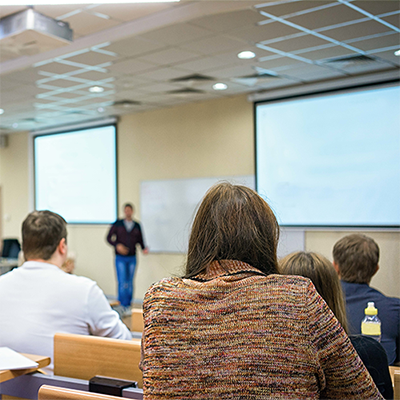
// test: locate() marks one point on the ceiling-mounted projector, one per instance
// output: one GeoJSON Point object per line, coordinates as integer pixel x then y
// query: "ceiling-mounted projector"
{"type": "Point", "coordinates": [28, 32]}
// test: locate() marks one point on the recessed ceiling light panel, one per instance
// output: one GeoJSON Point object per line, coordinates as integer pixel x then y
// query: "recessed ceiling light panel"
{"type": "Point", "coordinates": [397, 53]}
{"type": "Point", "coordinates": [63, 2]}
{"type": "Point", "coordinates": [246, 55]}
{"type": "Point", "coordinates": [96, 89]}
{"type": "Point", "coordinates": [220, 86]}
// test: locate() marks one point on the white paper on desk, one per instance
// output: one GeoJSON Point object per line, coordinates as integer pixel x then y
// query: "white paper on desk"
{"type": "Point", "coordinates": [10, 359]}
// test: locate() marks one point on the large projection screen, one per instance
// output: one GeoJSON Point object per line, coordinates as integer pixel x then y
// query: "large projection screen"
{"type": "Point", "coordinates": [333, 159]}
{"type": "Point", "coordinates": [76, 174]}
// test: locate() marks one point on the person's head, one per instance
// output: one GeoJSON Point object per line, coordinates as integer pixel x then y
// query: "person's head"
{"type": "Point", "coordinates": [233, 223]}
{"type": "Point", "coordinates": [128, 210]}
{"type": "Point", "coordinates": [356, 258]}
{"type": "Point", "coordinates": [322, 274]}
{"type": "Point", "coordinates": [44, 233]}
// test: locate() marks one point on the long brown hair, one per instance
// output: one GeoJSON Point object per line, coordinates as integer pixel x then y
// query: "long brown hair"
{"type": "Point", "coordinates": [324, 277]}
{"type": "Point", "coordinates": [233, 223]}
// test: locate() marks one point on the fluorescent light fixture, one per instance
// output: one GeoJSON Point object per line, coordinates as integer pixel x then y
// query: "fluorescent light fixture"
{"type": "Point", "coordinates": [73, 2]}
{"type": "Point", "coordinates": [1, 111]}
{"type": "Point", "coordinates": [220, 86]}
{"type": "Point", "coordinates": [246, 55]}
{"type": "Point", "coordinates": [96, 89]}
{"type": "Point", "coordinates": [397, 53]}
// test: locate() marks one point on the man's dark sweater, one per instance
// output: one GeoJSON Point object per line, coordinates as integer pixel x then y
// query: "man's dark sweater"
{"type": "Point", "coordinates": [119, 235]}
{"type": "Point", "coordinates": [357, 296]}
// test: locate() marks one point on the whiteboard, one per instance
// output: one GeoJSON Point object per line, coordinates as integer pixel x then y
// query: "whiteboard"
{"type": "Point", "coordinates": [169, 206]}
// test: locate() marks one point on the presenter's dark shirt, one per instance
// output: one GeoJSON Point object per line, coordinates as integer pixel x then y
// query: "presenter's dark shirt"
{"type": "Point", "coordinates": [119, 235]}
{"type": "Point", "coordinates": [357, 296]}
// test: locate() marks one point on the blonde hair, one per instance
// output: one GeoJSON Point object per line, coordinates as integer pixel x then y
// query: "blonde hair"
{"type": "Point", "coordinates": [324, 277]}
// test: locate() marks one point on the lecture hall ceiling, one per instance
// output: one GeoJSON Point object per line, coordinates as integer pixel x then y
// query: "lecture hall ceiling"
{"type": "Point", "coordinates": [147, 56]}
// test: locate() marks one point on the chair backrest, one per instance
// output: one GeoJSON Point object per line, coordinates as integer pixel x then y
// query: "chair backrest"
{"type": "Point", "coordinates": [396, 385]}
{"type": "Point", "coordinates": [137, 320]}
{"type": "Point", "coordinates": [83, 357]}
{"type": "Point", "coordinates": [47, 392]}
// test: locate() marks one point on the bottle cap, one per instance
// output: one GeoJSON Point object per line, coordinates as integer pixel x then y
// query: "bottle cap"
{"type": "Point", "coordinates": [371, 310]}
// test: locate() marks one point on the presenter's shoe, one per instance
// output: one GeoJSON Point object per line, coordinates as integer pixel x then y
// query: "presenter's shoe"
{"type": "Point", "coordinates": [127, 312]}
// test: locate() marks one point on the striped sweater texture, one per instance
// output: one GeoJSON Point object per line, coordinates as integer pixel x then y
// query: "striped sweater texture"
{"type": "Point", "coordinates": [234, 333]}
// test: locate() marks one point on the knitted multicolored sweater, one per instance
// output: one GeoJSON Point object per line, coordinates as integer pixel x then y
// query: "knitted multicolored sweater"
{"type": "Point", "coordinates": [234, 333]}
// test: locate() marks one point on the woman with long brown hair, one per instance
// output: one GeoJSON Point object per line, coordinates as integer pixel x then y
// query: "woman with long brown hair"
{"type": "Point", "coordinates": [233, 328]}
{"type": "Point", "coordinates": [326, 280]}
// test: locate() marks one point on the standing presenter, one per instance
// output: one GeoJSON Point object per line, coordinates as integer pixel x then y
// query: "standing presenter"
{"type": "Point", "coordinates": [125, 234]}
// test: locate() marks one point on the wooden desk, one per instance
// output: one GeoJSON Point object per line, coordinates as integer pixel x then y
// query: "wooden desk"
{"type": "Point", "coordinates": [7, 374]}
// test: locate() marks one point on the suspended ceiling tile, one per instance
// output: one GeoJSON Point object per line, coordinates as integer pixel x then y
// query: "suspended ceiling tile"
{"type": "Point", "coordinates": [214, 45]}
{"type": "Point", "coordinates": [8, 10]}
{"type": "Point", "coordinates": [92, 58]}
{"type": "Point", "coordinates": [204, 63]}
{"type": "Point", "coordinates": [355, 31]}
{"type": "Point", "coordinates": [7, 54]}
{"type": "Point", "coordinates": [29, 75]}
{"type": "Point", "coordinates": [331, 52]}
{"type": "Point", "coordinates": [257, 34]}
{"type": "Point", "coordinates": [169, 56]}
{"type": "Point", "coordinates": [387, 56]}
{"type": "Point", "coordinates": [393, 20]}
{"type": "Point", "coordinates": [323, 75]}
{"type": "Point", "coordinates": [95, 75]}
{"type": "Point", "coordinates": [278, 63]}
{"type": "Point", "coordinates": [131, 66]}
{"type": "Point", "coordinates": [378, 7]}
{"type": "Point", "coordinates": [177, 34]}
{"type": "Point", "coordinates": [233, 72]}
{"type": "Point", "coordinates": [276, 83]}
{"type": "Point", "coordinates": [229, 21]}
{"type": "Point", "coordinates": [159, 88]}
{"type": "Point", "coordinates": [292, 7]}
{"type": "Point", "coordinates": [56, 11]}
{"type": "Point", "coordinates": [128, 82]}
{"type": "Point", "coordinates": [55, 68]}
{"type": "Point", "coordinates": [367, 67]}
{"type": "Point", "coordinates": [130, 12]}
{"type": "Point", "coordinates": [327, 17]}
{"type": "Point", "coordinates": [85, 23]}
{"type": "Point", "coordinates": [302, 42]}
{"type": "Point", "coordinates": [134, 46]}
{"type": "Point", "coordinates": [379, 42]}
{"type": "Point", "coordinates": [164, 74]}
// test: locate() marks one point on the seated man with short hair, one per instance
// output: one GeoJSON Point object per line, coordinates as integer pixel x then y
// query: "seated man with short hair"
{"type": "Point", "coordinates": [39, 299]}
{"type": "Point", "coordinates": [355, 258]}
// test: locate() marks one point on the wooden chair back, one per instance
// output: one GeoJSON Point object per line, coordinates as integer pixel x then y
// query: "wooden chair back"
{"type": "Point", "coordinates": [137, 320]}
{"type": "Point", "coordinates": [47, 392]}
{"type": "Point", "coordinates": [396, 385]}
{"type": "Point", "coordinates": [83, 357]}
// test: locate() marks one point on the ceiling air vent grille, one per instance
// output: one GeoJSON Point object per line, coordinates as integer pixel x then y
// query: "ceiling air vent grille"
{"type": "Point", "coordinates": [351, 60]}
{"type": "Point", "coordinates": [185, 92]}
{"type": "Point", "coordinates": [126, 103]}
{"type": "Point", "coordinates": [193, 78]}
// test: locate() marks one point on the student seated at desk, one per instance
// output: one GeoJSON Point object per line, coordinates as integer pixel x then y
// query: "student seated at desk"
{"type": "Point", "coordinates": [325, 279]}
{"type": "Point", "coordinates": [39, 299]}
{"type": "Point", "coordinates": [232, 327]}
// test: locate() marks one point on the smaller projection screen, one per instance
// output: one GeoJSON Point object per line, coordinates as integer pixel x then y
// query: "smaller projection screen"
{"type": "Point", "coordinates": [332, 159]}
{"type": "Point", "coordinates": [76, 176]}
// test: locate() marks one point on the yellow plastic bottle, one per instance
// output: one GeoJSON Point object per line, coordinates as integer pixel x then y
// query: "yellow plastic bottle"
{"type": "Point", "coordinates": [371, 324]}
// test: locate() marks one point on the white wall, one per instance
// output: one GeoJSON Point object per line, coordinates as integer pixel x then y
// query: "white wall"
{"type": "Point", "coordinates": [206, 139]}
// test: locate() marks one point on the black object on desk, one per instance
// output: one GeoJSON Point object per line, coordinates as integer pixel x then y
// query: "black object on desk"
{"type": "Point", "coordinates": [104, 385]}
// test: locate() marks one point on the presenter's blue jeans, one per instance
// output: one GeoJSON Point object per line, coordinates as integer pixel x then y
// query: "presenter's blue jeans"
{"type": "Point", "coordinates": [125, 266]}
